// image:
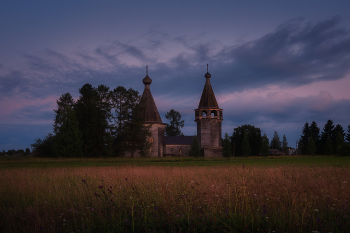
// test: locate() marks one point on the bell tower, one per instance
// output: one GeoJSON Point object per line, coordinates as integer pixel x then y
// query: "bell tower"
{"type": "Point", "coordinates": [209, 117]}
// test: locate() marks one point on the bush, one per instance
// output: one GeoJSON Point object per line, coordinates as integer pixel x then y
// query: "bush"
{"type": "Point", "coordinates": [344, 149]}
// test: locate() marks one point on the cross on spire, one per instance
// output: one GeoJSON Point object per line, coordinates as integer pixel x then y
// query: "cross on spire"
{"type": "Point", "coordinates": [146, 69]}
{"type": "Point", "coordinates": [207, 68]}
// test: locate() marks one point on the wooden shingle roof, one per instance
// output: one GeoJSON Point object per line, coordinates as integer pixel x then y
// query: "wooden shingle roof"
{"type": "Point", "coordinates": [150, 112]}
{"type": "Point", "coordinates": [208, 99]}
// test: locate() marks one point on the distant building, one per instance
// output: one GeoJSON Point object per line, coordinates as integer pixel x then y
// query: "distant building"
{"type": "Point", "coordinates": [275, 152]}
{"type": "Point", "coordinates": [177, 145]}
{"type": "Point", "coordinates": [208, 117]}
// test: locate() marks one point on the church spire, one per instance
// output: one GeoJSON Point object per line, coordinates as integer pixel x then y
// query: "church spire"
{"type": "Point", "coordinates": [208, 99]}
{"type": "Point", "coordinates": [151, 113]}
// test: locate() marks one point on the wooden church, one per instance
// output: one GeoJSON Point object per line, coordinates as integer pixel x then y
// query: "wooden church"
{"type": "Point", "coordinates": [208, 117]}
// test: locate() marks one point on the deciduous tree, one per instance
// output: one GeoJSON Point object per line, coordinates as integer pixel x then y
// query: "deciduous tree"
{"type": "Point", "coordinates": [227, 148]}
{"type": "Point", "coordinates": [174, 128]}
{"type": "Point", "coordinates": [254, 139]}
{"type": "Point", "coordinates": [195, 148]}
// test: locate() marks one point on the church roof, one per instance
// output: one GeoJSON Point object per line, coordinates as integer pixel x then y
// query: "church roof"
{"type": "Point", "coordinates": [178, 140]}
{"type": "Point", "coordinates": [208, 99]}
{"type": "Point", "coordinates": [150, 112]}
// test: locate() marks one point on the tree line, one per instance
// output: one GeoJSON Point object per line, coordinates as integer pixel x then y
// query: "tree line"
{"type": "Point", "coordinates": [101, 122]}
{"type": "Point", "coordinates": [105, 122]}
{"type": "Point", "coordinates": [247, 140]}
{"type": "Point", "coordinates": [332, 140]}
{"type": "Point", "coordinates": [15, 152]}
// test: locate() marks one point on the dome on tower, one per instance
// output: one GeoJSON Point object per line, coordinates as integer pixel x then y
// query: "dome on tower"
{"type": "Point", "coordinates": [207, 75]}
{"type": "Point", "coordinates": [147, 80]}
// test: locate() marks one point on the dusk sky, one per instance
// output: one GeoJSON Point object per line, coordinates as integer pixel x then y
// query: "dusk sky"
{"type": "Point", "coordinates": [274, 64]}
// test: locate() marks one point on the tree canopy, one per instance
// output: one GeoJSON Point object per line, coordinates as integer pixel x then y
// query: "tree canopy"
{"type": "Point", "coordinates": [102, 122]}
{"type": "Point", "coordinates": [174, 128]}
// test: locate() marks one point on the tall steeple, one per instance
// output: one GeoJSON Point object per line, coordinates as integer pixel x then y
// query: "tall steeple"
{"type": "Point", "coordinates": [151, 113]}
{"type": "Point", "coordinates": [152, 119]}
{"type": "Point", "coordinates": [208, 99]}
{"type": "Point", "coordinates": [209, 117]}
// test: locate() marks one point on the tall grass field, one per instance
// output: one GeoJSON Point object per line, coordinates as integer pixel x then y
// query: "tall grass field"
{"type": "Point", "coordinates": [216, 197]}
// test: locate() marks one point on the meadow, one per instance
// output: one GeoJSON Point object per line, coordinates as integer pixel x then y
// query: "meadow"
{"type": "Point", "coordinates": [279, 194]}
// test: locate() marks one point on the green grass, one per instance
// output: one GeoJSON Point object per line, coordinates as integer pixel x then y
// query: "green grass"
{"type": "Point", "coordinates": [18, 162]}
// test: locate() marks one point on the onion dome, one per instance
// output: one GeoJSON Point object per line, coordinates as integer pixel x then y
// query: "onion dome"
{"type": "Point", "coordinates": [207, 75]}
{"type": "Point", "coordinates": [147, 80]}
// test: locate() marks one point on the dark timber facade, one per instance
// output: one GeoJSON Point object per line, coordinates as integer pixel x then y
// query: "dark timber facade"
{"type": "Point", "coordinates": [209, 117]}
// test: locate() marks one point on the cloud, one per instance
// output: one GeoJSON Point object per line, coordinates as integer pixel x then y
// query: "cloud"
{"type": "Point", "coordinates": [295, 54]}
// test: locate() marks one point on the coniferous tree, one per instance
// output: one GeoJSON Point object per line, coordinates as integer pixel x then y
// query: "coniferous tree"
{"type": "Point", "coordinates": [131, 134]}
{"type": "Point", "coordinates": [104, 117]}
{"type": "Point", "coordinates": [195, 148]}
{"type": "Point", "coordinates": [227, 149]}
{"type": "Point", "coordinates": [311, 148]}
{"type": "Point", "coordinates": [348, 134]}
{"type": "Point", "coordinates": [339, 142]}
{"type": "Point", "coordinates": [338, 137]}
{"type": "Point", "coordinates": [284, 144]}
{"type": "Point", "coordinates": [264, 146]}
{"type": "Point", "coordinates": [119, 100]}
{"type": "Point", "coordinates": [66, 100]}
{"type": "Point", "coordinates": [315, 134]}
{"type": "Point", "coordinates": [68, 141]}
{"type": "Point", "coordinates": [304, 141]}
{"type": "Point", "coordinates": [174, 128]}
{"type": "Point", "coordinates": [86, 114]}
{"type": "Point", "coordinates": [328, 146]}
{"type": "Point", "coordinates": [276, 142]}
{"type": "Point", "coordinates": [327, 138]}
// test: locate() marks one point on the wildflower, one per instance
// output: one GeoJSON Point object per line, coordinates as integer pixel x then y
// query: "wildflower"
{"type": "Point", "coordinates": [100, 186]}
{"type": "Point", "coordinates": [83, 180]}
